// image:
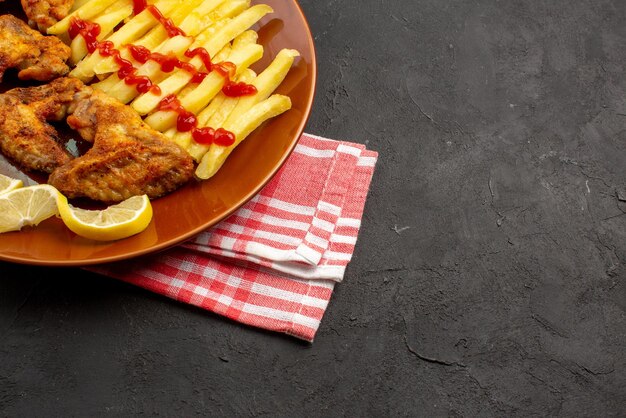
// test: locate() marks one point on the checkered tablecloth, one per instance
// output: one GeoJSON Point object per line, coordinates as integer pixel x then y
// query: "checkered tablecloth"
{"type": "Point", "coordinates": [274, 263]}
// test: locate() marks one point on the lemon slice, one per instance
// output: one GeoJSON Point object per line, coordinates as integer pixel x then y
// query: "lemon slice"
{"type": "Point", "coordinates": [27, 206]}
{"type": "Point", "coordinates": [127, 218]}
{"type": "Point", "coordinates": [7, 184]}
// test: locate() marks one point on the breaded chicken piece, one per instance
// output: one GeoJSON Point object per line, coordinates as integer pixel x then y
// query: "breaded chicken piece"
{"type": "Point", "coordinates": [25, 137]}
{"type": "Point", "coordinates": [44, 13]}
{"type": "Point", "coordinates": [38, 57]}
{"type": "Point", "coordinates": [128, 157]}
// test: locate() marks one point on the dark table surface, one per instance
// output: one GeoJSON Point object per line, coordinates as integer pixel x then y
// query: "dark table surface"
{"type": "Point", "coordinates": [489, 277]}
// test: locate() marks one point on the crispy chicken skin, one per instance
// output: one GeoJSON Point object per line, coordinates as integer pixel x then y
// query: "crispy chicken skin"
{"type": "Point", "coordinates": [38, 57]}
{"type": "Point", "coordinates": [25, 137]}
{"type": "Point", "coordinates": [44, 13]}
{"type": "Point", "coordinates": [127, 158]}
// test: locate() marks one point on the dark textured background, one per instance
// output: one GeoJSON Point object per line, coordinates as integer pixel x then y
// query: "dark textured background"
{"type": "Point", "coordinates": [489, 276]}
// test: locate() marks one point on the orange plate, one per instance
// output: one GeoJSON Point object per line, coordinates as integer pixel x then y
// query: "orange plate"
{"type": "Point", "coordinates": [199, 205]}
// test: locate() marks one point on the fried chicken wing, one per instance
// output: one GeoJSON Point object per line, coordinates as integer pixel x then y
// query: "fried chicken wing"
{"type": "Point", "coordinates": [44, 13]}
{"type": "Point", "coordinates": [127, 158]}
{"type": "Point", "coordinates": [38, 57]}
{"type": "Point", "coordinates": [25, 137]}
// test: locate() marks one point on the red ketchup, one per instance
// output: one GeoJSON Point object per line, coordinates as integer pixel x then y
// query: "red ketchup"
{"type": "Point", "coordinates": [168, 24]}
{"type": "Point", "coordinates": [139, 6]}
{"type": "Point", "coordinates": [88, 30]}
{"type": "Point", "coordinates": [186, 121]}
{"type": "Point", "coordinates": [233, 89]}
{"type": "Point", "coordinates": [127, 71]}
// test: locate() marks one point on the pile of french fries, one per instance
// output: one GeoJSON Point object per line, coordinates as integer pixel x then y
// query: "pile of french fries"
{"type": "Point", "coordinates": [223, 28]}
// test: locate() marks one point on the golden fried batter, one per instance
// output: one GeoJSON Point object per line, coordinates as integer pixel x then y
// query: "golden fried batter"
{"type": "Point", "coordinates": [38, 57]}
{"type": "Point", "coordinates": [25, 137]}
{"type": "Point", "coordinates": [44, 13]}
{"type": "Point", "coordinates": [128, 157]}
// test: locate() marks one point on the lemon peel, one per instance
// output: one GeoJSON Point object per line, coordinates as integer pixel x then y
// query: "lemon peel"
{"type": "Point", "coordinates": [119, 221]}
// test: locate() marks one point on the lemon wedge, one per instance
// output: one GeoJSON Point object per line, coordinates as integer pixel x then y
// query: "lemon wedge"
{"type": "Point", "coordinates": [122, 220]}
{"type": "Point", "coordinates": [7, 184]}
{"type": "Point", "coordinates": [27, 206]}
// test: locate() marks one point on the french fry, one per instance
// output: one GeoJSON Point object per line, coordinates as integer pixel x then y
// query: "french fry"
{"type": "Point", "coordinates": [129, 32]}
{"type": "Point", "coordinates": [87, 11]}
{"type": "Point", "coordinates": [219, 102]}
{"type": "Point", "coordinates": [223, 56]}
{"type": "Point", "coordinates": [238, 25]}
{"type": "Point", "coordinates": [247, 37]}
{"type": "Point", "coordinates": [78, 4]}
{"type": "Point", "coordinates": [200, 17]}
{"type": "Point", "coordinates": [219, 17]}
{"type": "Point", "coordinates": [200, 96]}
{"type": "Point", "coordinates": [112, 16]}
{"type": "Point", "coordinates": [266, 82]}
{"type": "Point", "coordinates": [213, 160]}
{"type": "Point", "coordinates": [146, 103]}
{"type": "Point", "coordinates": [224, 12]}
{"type": "Point", "coordinates": [170, 133]}
{"type": "Point", "coordinates": [151, 40]}
{"type": "Point", "coordinates": [125, 93]}
{"type": "Point", "coordinates": [214, 116]}
{"type": "Point", "coordinates": [193, 17]}
{"type": "Point", "coordinates": [184, 139]}
{"type": "Point", "coordinates": [197, 97]}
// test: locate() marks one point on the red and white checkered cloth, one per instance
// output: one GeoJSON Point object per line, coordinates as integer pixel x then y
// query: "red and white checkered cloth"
{"type": "Point", "coordinates": [274, 263]}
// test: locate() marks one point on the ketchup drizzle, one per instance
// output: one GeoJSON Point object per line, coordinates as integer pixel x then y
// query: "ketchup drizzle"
{"type": "Point", "coordinates": [127, 71]}
{"type": "Point", "coordinates": [168, 24]}
{"type": "Point", "coordinates": [186, 121]}
{"type": "Point", "coordinates": [139, 6]}
{"type": "Point", "coordinates": [167, 62]}
{"type": "Point", "coordinates": [89, 31]}
{"type": "Point", "coordinates": [234, 89]}
{"type": "Point", "coordinates": [204, 57]}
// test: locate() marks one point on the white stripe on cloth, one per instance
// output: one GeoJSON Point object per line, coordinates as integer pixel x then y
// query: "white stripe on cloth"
{"type": "Point", "coordinates": [282, 205]}
{"type": "Point", "coordinates": [272, 220]}
{"type": "Point", "coordinates": [351, 222]}
{"type": "Point", "coordinates": [329, 273]}
{"type": "Point", "coordinates": [366, 162]}
{"type": "Point", "coordinates": [322, 224]}
{"type": "Point", "coordinates": [329, 208]}
{"type": "Point", "coordinates": [254, 251]}
{"type": "Point", "coordinates": [315, 153]}
{"type": "Point", "coordinates": [309, 255]}
{"type": "Point", "coordinates": [289, 296]}
{"type": "Point", "coordinates": [344, 239]}
{"type": "Point", "coordinates": [315, 240]}
{"type": "Point", "coordinates": [280, 315]}
{"type": "Point", "coordinates": [345, 149]}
